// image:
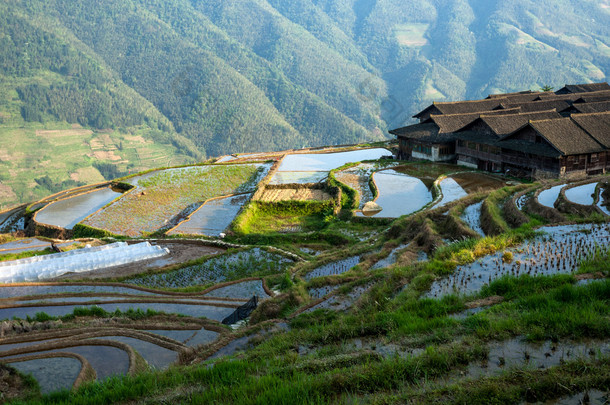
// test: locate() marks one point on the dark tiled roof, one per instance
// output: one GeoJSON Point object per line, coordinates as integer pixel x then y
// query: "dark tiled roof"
{"type": "Point", "coordinates": [583, 88]}
{"type": "Point", "coordinates": [543, 105]}
{"type": "Point", "coordinates": [597, 125]}
{"type": "Point", "coordinates": [464, 107]}
{"type": "Point", "coordinates": [565, 136]}
{"type": "Point", "coordinates": [593, 97]}
{"type": "Point", "coordinates": [518, 93]}
{"type": "Point", "coordinates": [588, 108]}
{"type": "Point", "coordinates": [424, 133]}
{"type": "Point", "coordinates": [504, 125]}
{"type": "Point", "coordinates": [453, 122]}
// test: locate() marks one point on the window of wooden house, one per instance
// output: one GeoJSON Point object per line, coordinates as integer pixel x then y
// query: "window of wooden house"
{"type": "Point", "coordinates": [485, 148]}
{"type": "Point", "coordinates": [594, 158]}
{"type": "Point", "coordinates": [472, 145]}
{"type": "Point", "coordinates": [461, 143]}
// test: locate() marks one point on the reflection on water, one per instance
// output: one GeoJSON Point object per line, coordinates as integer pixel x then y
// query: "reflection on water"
{"type": "Point", "coordinates": [451, 191]}
{"type": "Point", "coordinates": [583, 195]}
{"type": "Point", "coordinates": [472, 217]}
{"type": "Point", "coordinates": [328, 161]}
{"type": "Point", "coordinates": [214, 217]}
{"type": "Point", "coordinates": [69, 212]}
{"type": "Point", "coordinates": [400, 194]}
{"type": "Point", "coordinates": [548, 197]}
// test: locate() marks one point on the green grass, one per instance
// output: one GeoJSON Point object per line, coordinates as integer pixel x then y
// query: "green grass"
{"type": "Point", "coordinates": [23, 255]}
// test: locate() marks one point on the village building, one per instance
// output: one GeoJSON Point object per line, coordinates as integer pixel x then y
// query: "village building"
{"type": "Point", "coordinates": [528, 134]}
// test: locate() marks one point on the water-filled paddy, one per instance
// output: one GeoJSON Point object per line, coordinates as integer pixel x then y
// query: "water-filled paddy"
{"type": "Point", "coordinates": [69, 212]}
{"type": "Point", "coordinates": [210, 312]}
{"type": "Point", "coordinates": [583, 195]}
{"type": "Point", "coordinates": [333, 268]}
{"type": "Point", "coordinates": [52, 374]}
{"type": "Point", "coordinates": [451, 190]}
{"type": "Point", "coordinates": [341, 302]}
{"type": "Point", "coordinates": [163, 198]}
{"type": "Point", "coordinates": [156, 356]}
{"type": "Point", "coordinates": [390, 259]}
{"type": "Point", "coordinates": [602, 203]}
{"type": "Point", "coordinates": [303, 177]}
{"type": "Point", "coordinates": [214, 217]}
{"type": "Point", "coordinates": [178, 335]}
{"type": "Point", "coordinates": [23, 291]}
{"type": "Point", "coordinates": [217, 269]}
{"type": "Point", "coordinates": [399, 194]}
{"type": "Point", "coordinates": [328, 161]}
{"type": "Point", "coordinates": [548, 197]}
{"type": "Point", "coordinates": [558, 251]}
{"type": "Point", "coordinates": [246, 290]}
{"type": "Point", "coordinates": [202, 337]}
{"type": "Point", "coordinates": [472, 217]}
{"type": "Point", "coordinates": [323, 291]}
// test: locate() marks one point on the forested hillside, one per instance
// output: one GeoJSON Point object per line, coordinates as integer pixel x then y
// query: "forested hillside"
{"type": "Point", "coordinates": [202, 78]}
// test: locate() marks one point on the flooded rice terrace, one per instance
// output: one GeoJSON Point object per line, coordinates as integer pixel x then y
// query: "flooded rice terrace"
{"type": "Point", "coordinates": [548, 197]}
{"type": "Point", "coordinates": [399, 194]}
{"type": "Point", "coordinates": [314, 167]}
{"type": "Point", "coordinates": [216, 270]}
{"type": "Point", "coordinates": [69, 212]}
{"type": "Point", "coordinates": [213, 217]}
{"type": "Point", "coordinates": [558, 250]}
{"type": "Point", "coordinates": [472, 217]}
{"type": "Point", "coordinates": [583, 195]}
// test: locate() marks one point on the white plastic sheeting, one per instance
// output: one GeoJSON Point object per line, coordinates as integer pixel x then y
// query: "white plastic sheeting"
{"type": "Point", "coordinates": [77, 261]}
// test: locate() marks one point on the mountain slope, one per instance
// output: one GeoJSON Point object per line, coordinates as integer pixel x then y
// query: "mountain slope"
{"type": "Point", "coordinates": [209, 78]}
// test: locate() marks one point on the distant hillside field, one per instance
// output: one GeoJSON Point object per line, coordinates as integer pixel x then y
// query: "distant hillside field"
{"type": "Point", "coordinates": [92, 90]}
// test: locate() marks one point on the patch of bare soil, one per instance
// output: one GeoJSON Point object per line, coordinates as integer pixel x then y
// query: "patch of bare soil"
{"type": "Point", "coordinates": [485, 302]}
{"type": "Point", "coordinates": [179, 252]}
{"type": "Point", "coordinates": [6, 192]}
{"type": "Point", "coordinates": [106, 155]}
{"type": "Point", "coordinates": [302, 194]}
{"type": "Point", "coordinates": [60, 133]}
{"type": "Point", "coordinates": [476, 182]}
{"type": "Point", "coordinates": [11, 384]}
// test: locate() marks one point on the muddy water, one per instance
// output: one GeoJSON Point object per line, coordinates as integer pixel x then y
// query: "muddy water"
{"type": "Point", "coordinates": [451, 190]}
{"type": "Point", "coordinates": [320, 292]}
{"type": "Point", "coordinates": [69, 212]}
{"type": "Point", "coordinates": [548, 197]}
{"type": "Point", "coordinates": [210, 312]}
{"type": "Point", "coordinates": [216, 270]}
{"type": "Point", "coordinates": [472, 217]}
{"type": "Point", "coordinates": [156, 356]}
{"type": "Point", "coordinates": [334, 268]}
{"type": "Point", "coordinates": [399, 194]}
{"type": "Point", "coordinates": [358, 178]}
{"type": "Point", "coordinates": [558, 251]}
{"type": "Point", "coordinates": [390, 259]}
{"type": "Point", "coordinates": [54, 374]}
{"type": "Point", "coordinates": [214, 217]}
{"type": "Point", "coordinates": [18, 291]}
{"type": "Point", "coordinates": [341, 302]}
{"type": "Point", "coordinates": [516, 353]}
{"type": "Point", "coordinates": [583, 195]}
{"type": "Point", "coordinates": [245, 290]}
{"type": "Point", "coordinates": [477, 182]}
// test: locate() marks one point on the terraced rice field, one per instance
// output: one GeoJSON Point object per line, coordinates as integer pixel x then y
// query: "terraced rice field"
{"type": "Point", "coordinates": [213, 217]}
{"type": "Point", "coordinates": [70, 211]}
{"type": "Point", "coordinates": [218, 269]}
{"type": "Point", "coordinates": [161, 197]}
{"type": "Point", "coordinates": [557, 251]}
{"type": "Point", "coordinates": [399, 194]}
